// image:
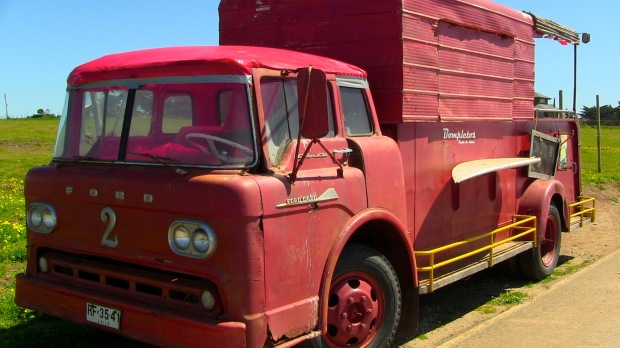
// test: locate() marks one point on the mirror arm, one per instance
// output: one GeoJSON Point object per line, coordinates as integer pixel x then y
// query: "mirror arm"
{"type": "Point", "coordinates": [293, 175]}
{"type": "Point", "coordinates": [340, 170]}
{"type": "Point", "coordinates": [297, 164]}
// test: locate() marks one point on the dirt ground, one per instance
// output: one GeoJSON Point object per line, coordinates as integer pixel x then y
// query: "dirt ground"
{"type": "Point", "coordinates": [452, 310]}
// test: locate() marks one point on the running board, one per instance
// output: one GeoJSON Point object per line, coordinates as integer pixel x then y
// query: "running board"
{"type": "Point", "coordinates": [500, 253]}
{"type": "Point", "coordinates": [582, 212]}
{"type": "Point", "coordinates": [577, 223]}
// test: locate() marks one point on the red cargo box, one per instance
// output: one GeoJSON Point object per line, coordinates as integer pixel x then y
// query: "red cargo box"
{"type": "Point", "coordinates": [428, 60]}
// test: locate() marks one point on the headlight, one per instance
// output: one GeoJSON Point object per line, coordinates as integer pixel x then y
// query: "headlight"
{"type": "Point", "coordinates": [41, 218]}
{"type": "Point", "coordinates": [181, 237]}
{"type": "Point", "coordinates": [201, 240]}
{"type": "Point", "coordinates": [192, 238]}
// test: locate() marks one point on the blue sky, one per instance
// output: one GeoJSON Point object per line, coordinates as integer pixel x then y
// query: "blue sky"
{"type": "Point", "coordinates": [42, 41]}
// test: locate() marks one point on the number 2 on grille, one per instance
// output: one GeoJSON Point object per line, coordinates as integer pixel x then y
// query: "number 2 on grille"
{"type": "Point", "coordinates": [108, 214]}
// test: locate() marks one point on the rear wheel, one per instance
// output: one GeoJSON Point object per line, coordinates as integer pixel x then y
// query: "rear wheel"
{"type": "Point", "coordinates": [364, 303]}
{"type": "Point", "coordinates": [540, 262]}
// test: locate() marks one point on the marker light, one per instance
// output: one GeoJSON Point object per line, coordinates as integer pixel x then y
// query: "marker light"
{"type": "Point", "coordinates": [207, 300]}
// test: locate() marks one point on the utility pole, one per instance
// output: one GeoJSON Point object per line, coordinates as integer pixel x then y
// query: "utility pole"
{"type": "Point", "coordinates": [598, 134]}
{"type": "Point", "coordinates": [6, 107]}
{"type": "Point", "coordinates": [585, 38]}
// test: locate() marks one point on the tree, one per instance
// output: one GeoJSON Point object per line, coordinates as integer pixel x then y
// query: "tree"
{"type": "Point", "coordinates": [43, 113]}
{"type": "Point", "coordinates": [608, 113]}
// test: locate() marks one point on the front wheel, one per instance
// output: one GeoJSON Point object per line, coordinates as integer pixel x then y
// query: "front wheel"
{"type": "Point", "coordinates": [364, 304]}
{"type": "Point", "coordinates": [540, 262]}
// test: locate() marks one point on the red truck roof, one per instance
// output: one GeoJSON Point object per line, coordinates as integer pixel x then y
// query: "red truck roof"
{"type": "Point", "coordinates": [201, 60]}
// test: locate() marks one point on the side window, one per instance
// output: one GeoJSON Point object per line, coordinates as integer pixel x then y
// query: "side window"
{"type": "Point", "coordinates": [142, 114]}
{"type": "Point", "coordinates": [282, 115]}
{"type": "Point", "coordinates": [178, 113]}
{"type": "Point", "coordinates": [356, 117]}
{"type": "Point", "coordinates": [102, 117]}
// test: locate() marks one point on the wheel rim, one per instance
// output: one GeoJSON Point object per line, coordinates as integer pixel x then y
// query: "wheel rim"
{"type": "Point", "coordinates": [355, 310]}
{"type": "Point", "coordinates": [549, 243]}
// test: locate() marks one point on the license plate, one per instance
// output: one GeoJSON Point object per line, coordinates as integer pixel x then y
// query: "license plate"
{"type": "Point", "coordinates": [105, 316]}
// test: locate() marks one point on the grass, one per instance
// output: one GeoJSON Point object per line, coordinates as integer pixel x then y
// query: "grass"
{"type": "Point", "coordinates": [567, 268]}
{"type": "Point", "coordinates": [610, 155]}
{"type": "Point", "coordinates": [505, 299]}
{"type": "Point", "coordinates": [26, 143]}
{"type": "Point", "coordinates": [510, 298]}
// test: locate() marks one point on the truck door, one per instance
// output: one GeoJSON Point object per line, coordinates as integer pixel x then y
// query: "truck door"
{"type": "Point", "coordinates": [302, 216]}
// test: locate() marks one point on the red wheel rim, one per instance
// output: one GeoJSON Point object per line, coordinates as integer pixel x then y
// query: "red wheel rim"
{"type": "Point", "coordinates": [548, 243]}
{"type": "Point", "coordinates": [355, 310]}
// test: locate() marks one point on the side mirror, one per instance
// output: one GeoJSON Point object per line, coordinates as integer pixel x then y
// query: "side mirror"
{"type": "Point", "coordinates": [312, 94]}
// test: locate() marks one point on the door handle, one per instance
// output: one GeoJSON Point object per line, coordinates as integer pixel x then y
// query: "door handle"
{"type": "Point", "coordinates": [344, 151]}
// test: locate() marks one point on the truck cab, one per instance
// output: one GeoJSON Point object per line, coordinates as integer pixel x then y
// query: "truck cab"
{"type": "Point", "coordinates": [189, 196]}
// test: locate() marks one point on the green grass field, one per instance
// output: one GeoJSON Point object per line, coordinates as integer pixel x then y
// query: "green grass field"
{"type": "Point", "coordinates": [26, 143]}
{"type": "Point", "coordinates": [610, 155]}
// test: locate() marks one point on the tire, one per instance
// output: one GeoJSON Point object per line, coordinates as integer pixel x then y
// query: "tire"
{"type": "Point", "coordinates": [539, 263]}
{"type": "Point", "coordinates": [364, 304]}
{"type": "Point", "coordinates": [510, 268]}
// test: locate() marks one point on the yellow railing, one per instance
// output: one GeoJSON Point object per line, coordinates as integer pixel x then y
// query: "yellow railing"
{"type": "Point", "coordinates": [522, 225]}
{"type": "Point", "coordinates": [581, 211]}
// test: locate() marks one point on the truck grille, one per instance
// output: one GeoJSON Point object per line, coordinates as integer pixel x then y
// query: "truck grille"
{"type": "Point", "coordinates": [159, 288]}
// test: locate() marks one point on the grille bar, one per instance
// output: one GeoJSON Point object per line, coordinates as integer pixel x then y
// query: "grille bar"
{"type": "Point", "coordinates": [159, 288]}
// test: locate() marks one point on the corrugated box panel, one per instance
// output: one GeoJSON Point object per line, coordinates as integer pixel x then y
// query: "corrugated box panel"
{"type": "Point", "coordinates": [482, 14]}
{"type": "Point", "coordinates": [308, 23]}
{"type": "Point", "coordinates": [427, 60]}
{"type": "Point", "coordinates": [420, 67]}
{"type": "Point", "coordinates": [386, 82]}
{"type": "Point", "coordinates": [475, 73]}
{"type": "Point", "coordinates": [524, 80]}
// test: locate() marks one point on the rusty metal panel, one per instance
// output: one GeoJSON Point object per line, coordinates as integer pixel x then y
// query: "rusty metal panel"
{"type": "Point", "coordinates": [295, 257]}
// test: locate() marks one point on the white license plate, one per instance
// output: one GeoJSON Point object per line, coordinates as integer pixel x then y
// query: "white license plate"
{"type": "Point", "coordinates": [105, 316]}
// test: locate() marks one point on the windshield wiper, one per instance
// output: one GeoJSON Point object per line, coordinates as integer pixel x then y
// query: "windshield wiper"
{"type": "Point", "coordinates": [78, 159]}
{"type": "Point", "coordinates": [156, 158]}
{"type": "Point", "coordinates": [161, 160]}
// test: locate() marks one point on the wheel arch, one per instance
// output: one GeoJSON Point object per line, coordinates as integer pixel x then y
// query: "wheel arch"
{"type": "Point", "coordinates": [383, 231]}
{"type": "Point", "coordinates": [537, 198]}
{"type": "Point", "coordinates": [559, 202]}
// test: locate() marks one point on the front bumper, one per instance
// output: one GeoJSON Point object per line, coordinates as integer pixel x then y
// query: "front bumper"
{"type": "Point", "coordinates": [161, 327]}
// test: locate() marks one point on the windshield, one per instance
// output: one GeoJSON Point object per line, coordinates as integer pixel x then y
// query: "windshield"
{"type": "Point", "coordinates": [207, 124]}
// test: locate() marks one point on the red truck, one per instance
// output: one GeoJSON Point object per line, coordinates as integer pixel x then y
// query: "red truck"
{"type": "Point", "coordinates": [248, 195]}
